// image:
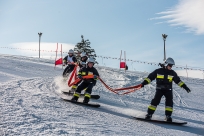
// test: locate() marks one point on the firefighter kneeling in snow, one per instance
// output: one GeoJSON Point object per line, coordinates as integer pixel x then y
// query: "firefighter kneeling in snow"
{"type": "Point", "coordinates": [86, 83]}
{"type": "Point", "coordinates": [164, 77]}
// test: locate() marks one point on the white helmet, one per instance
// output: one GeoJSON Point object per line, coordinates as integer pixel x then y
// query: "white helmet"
{"type": "Point", "coordinates": [91, 60]}
{"type": "Point", "coordinates": [71, 51]}
{"type": "Point", "coordinates": [83, 54]}
{"type": "Point", "coordinates": [169, 61]}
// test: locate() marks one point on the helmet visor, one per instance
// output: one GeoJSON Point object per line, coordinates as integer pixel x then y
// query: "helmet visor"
{"type": "Point", "coordinates": [170, 65]}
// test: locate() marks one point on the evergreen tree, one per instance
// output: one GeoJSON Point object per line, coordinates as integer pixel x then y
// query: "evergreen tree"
{"type": "Point", "coordinates": [83, 46]}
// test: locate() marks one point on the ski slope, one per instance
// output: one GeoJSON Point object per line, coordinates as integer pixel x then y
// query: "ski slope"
{"type": "Point", "coordinates": [30, 90]}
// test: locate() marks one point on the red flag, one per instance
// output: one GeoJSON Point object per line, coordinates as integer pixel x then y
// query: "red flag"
{"type": "Point", "coordinates": [58, 62]}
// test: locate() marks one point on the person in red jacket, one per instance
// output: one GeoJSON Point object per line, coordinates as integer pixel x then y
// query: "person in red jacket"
{"type": "Point", "coordinates": [164, 77]}
{"type": "Point", "coordinates": [86, 83]}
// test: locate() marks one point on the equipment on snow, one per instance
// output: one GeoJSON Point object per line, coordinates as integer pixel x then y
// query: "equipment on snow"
{"type": "Point", "coordinates": [92, 96]}
{"type": "Point", "coordinates": [160, 121]}
{"type": "Point", "coordinates": [81, 103]}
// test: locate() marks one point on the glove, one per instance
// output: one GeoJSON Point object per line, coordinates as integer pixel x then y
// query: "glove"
{"type": "Point", "coordinates": [80, 77]}
{"type": "Point", "coordinates": [186, 88]}
{"type": "Point", "coordinates": [95, 77]}
{"type": "Point", "coordinates": [144, 83]}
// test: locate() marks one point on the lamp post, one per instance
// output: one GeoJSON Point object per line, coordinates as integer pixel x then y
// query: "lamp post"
{"type": "Point", "coordinates": [164, 38]}
{"type": "Point", "coordinates": [40, 34]}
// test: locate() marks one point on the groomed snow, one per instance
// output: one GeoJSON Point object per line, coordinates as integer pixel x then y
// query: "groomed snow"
{"type": "Point", "coordinates": [30, 90]}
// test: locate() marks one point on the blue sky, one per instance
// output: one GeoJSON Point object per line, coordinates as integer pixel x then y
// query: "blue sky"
{"type": "Point", "coordinates": [134, 26]}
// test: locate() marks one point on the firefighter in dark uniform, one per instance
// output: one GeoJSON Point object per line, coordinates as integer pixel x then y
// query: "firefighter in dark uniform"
{"type": "Point", "coordinates": [82, 63]}
{"type": "Point", "coordinates": [83, 59]}
{"type": "Point", "coordinates": [86, 83]}
{"type": "Point", "coordinates": [69, 60]}
{"type": "Point", "coordinates": [164, 77]}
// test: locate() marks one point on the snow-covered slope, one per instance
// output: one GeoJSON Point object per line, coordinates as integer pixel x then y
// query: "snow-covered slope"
{"type": "Point", "coordinates": [30, 103]}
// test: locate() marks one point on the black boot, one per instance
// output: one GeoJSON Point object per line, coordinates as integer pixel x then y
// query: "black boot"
{"type": "Point", "coordinates": [168, 118]}
{"type": "Point", "coordinates": [148, 116]}
{"type": "Point", "coordinates": [86, 99]}
{"type": "Point", "coordinates": [75, 98]}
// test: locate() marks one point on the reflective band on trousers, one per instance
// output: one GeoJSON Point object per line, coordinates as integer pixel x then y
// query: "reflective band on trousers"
{"type": "Point", "coordinates": [87, 95]}
{"type": "Point", "coordinates": [170, 78]}
{"type": "Point", "coordinates": [74, 86]}
{"type": "Point", "coordinates": [148, 80]}
{"type": "Point", "coordinates": [160, 76]}
{"type": "Point", "coordinates": [180, 83]}
{"type": "Point", "coordinates": [76, 94]}
{"type": "Point", "coordinates": [152, 107]}
{"type": "Point", "coordinates": [168, 108]}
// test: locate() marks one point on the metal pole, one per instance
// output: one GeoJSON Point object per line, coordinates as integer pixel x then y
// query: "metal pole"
{"type": "Point", "coordinates": [61, 55]}
{"type": "Point", "coordinates": [186, 71]}
{"type": "Point", "coordinates": [164, 38]}
{"type": "Point", "coordinates": [40, 34]}
{"type": "Point", "coordinates": [164, 51]}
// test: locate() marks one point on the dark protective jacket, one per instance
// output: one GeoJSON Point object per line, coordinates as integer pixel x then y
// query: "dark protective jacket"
{"type": "Point", "coordinates": [84, 60]}
{"type": "Point", "coordinates": [88, 71]}
{"type": "Point", "coordinates": [164, 78]}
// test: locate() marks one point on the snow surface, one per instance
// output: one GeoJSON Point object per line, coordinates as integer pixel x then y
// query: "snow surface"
{"type": "Point", "coordinates": [30, 90]}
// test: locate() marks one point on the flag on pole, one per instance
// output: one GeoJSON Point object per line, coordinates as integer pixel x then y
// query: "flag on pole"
{"type": "Point", "coordinates": [58, 62]}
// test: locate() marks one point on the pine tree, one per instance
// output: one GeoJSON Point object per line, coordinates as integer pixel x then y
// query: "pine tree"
{"type": "Point", "coordinates": [83, 46]}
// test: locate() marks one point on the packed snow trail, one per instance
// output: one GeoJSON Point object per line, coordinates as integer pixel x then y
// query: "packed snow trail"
{"type": "Point", "coordinates": [30, 103]}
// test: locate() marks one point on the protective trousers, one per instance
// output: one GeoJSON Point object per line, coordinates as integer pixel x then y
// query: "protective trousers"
{"type": "Point", "coordinates": [68, 69]}
{"type": "Point", "coordinates": [157, 98]}
{"type": "Point", "coordinates": [84, 85]}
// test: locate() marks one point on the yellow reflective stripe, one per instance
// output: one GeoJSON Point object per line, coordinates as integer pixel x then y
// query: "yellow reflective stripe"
{"type": "Point", "coordinates": [170, 78]}
{"type": "Point", "coordinates": [74, 86]}
{"type": "Point", "coordinates": [76, 94]}
{"type": "Point", "coordinates": [160, 76]}
{"type": "Point", "coordinates": [168, 108]}
{"type": "Point", "coordinates": [64, 61]}
{"type": "Point", "coordinates": [83, 73]}
{"type": "Point", "coordinates": [148, 80]}
{"type": "Point", "coordinates": [152, 107]}
{"type": "Point", "coordinates": [85, 89]}
{"type": "Point", "coordinates": [79, 73]}
{"type": "Point", "coordinates": [180, 83]}
{"type": "Point", "coordinates": [87, 95]}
